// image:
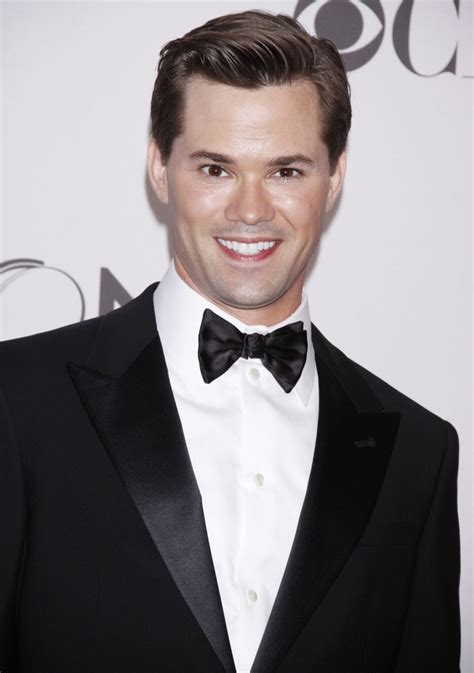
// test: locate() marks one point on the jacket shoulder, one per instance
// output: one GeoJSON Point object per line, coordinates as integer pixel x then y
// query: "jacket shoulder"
{"type": "Point", "coordinates": [390, 398]}
{"type": "Point", "coordinates": [42, 350]}
{"type": "Point", "coordinates": [43, 356]}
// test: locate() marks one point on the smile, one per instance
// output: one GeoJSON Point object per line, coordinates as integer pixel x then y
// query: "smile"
{"type": "Point", "coordinates": [246, 249]}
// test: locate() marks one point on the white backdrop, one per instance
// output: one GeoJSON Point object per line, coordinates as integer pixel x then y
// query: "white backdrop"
{"type": "Point", "coordinates": [391, 284]}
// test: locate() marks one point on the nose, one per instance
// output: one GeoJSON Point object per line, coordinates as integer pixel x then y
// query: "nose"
{"type": "Point", "coordinates": [249, 203]}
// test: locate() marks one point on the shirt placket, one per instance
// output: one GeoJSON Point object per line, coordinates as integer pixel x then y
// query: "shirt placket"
{"type": "Point", "coordinates": [254, 598]}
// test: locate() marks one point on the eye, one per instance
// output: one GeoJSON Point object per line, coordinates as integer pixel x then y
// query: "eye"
{"type": "Point", "coordinates": [288, 172]}
{"type": "Point", "coordinates": [212, 170]}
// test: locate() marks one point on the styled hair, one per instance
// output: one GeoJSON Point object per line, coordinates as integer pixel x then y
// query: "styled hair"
{"type": "Point", "coordinates": [251, 49]}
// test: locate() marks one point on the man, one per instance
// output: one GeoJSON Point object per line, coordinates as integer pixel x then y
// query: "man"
{"type": "Point", "coordinates": [199, 481]}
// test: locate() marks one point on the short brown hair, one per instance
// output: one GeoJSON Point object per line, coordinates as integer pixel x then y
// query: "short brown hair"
{"type": "Point", "coordinates": [251, 49]}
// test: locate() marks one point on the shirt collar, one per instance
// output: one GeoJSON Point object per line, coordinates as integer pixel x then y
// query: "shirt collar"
{"type": "Point", "coordinates": [178, 314]}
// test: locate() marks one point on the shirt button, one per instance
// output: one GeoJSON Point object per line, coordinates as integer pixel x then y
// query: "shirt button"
{"type": "Point", "coordinates": [254, 374]}
{"type": "Point", "coordinates": [252, 596]}
{"type": "Point", "coordinates": [259, 479]}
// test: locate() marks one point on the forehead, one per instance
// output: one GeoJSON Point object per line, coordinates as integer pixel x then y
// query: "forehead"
{"type": "Point", "coordinates": [230, 118]}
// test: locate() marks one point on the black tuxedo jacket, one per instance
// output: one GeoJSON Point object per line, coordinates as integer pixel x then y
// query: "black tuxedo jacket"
{"type": "Point", "coordinates": [105, 564]}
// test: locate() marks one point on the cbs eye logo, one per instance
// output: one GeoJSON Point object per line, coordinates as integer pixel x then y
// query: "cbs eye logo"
{"type": "Point", "coordinates": [357, 28]}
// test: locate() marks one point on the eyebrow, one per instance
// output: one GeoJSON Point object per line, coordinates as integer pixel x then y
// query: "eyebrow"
{"type": "Point", "coordinates": [284, 160]}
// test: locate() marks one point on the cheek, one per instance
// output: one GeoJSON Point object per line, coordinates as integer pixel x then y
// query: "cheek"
{"type": "Point", "coordinates": [196, 204]}
{"type": "Point", "coordinates": [304, 210]}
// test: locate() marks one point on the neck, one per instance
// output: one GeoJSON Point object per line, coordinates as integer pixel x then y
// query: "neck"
{"type": "Point", "coordinates": [265, 315]}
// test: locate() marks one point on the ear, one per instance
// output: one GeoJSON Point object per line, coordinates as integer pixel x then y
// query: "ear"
{"type": "Point", "coordinates": [335, 181]}
{"type": "Point", "coordinates": [157, 172]}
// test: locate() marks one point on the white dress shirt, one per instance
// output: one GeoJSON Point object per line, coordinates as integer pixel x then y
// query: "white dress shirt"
{"type": "Point", "coordinates": [251, 447]}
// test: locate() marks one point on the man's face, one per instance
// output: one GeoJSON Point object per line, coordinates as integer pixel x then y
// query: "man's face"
{"type": "Point", "coordinates": [248, 182]}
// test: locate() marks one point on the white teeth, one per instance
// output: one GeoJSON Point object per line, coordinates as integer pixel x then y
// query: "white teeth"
{"type": "Point", "coordinates": [247, 249]}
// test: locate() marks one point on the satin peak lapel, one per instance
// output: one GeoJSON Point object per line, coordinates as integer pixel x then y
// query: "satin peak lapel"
{"type": "Point", "coordinates": [354, 443]}
{"type": "Point", "coordinates": [136, 418]}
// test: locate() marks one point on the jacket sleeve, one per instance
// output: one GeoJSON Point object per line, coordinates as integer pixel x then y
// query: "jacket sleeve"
{"type": "Point", "coordinates": [431, 638]}
{"type": "Point", "coordinates": [12, 529]}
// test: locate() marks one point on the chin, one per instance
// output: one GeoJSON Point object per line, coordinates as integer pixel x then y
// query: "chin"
{"type": "Point", "coordinates": [246, 299]}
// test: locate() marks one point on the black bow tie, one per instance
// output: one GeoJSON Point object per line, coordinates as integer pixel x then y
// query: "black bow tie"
{"type": "Point", "coordinates": [282, 352]}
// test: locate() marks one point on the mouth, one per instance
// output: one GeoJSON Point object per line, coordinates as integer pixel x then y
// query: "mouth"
{"type": "Point", "coordinates": [247, 250]}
